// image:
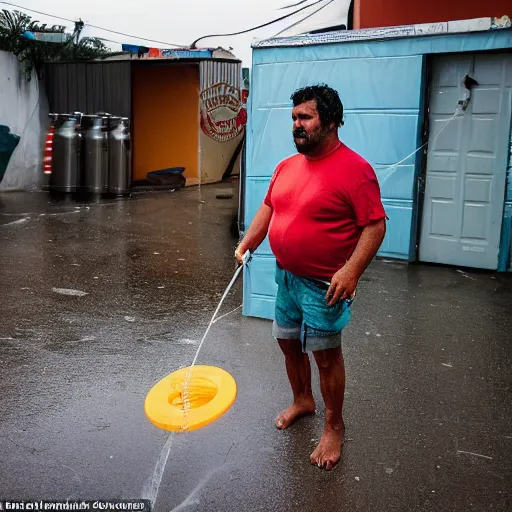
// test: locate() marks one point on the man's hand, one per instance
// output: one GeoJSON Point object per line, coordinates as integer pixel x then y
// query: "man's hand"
{"type": "Point", "coordinates": [255, 234]}
{"type": "Point", "coordinates": [343, 286]}
{"type": "Point", "coordinates": [344, 282]}
{"type": "Point", "coordinates": [239, 253]}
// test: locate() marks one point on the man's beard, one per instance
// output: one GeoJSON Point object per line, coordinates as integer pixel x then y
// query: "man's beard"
{"type": "Point", "coordinates": [308, 143]}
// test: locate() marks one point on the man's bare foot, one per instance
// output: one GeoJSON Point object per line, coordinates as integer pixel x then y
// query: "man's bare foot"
{"type": "Point", "coordinates": [294, 412]}
{"type": "Point", "coordinates": [328, 452]}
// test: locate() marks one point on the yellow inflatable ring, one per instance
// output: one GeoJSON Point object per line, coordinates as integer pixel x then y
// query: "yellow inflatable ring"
{"type": "Point", "coordinates": [211, 392]}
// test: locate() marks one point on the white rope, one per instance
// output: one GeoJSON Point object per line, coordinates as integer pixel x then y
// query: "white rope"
{"type": "Point", "coordinates": [448, 121]}
{"type": "Point", "coordinates": [227, 314]}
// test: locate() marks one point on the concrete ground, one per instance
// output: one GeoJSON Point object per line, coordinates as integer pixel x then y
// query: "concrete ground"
{"type": "Point", "coordinates": [428, 355]}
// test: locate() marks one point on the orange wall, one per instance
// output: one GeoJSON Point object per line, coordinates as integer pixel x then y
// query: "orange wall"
{"type": "Point", "coordinates": [165, 118]}
{"type": "Point", "coordinates": [387, 13]}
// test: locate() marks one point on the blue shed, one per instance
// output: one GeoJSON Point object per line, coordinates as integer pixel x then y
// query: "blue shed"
{"type": "Point", "coordinates": [403, 88]}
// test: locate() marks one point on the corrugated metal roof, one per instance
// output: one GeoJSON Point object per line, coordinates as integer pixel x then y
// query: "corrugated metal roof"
{"type": "Point", "coordinates": [213, 72]}
{"type": "Point", "coordinates": [347, 36]}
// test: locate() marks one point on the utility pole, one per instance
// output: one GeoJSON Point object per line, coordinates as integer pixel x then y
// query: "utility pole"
{"type": "Point", "coordinates": [79, 26]}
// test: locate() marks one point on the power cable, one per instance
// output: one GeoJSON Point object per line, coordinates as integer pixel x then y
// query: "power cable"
{"type": "Point", "coordinates": [38, 12]}
{"type": "Point", "coordinates": [109, 40]}
{"type": "Point", "coordinates": [93, 26]}
{"type": "Point", "coordinates": [135, 37]}
{"type": "Point", "coordinates": [193, 45]}
{"type": "Point", "coordinates": [300, 2]}
{"type": "Point", "coordinates": [305, 18]}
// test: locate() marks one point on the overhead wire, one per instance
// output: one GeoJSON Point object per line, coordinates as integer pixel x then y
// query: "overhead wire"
{"type": "Point", "coordinates": [305, 18]}
{"type": "Point", "coordinates": [193, 45]}
{"type": "Point", "coordinates": [108, 40]}
{"type": "Point", "coordinates": [93, 26]}
{"type": "Point", "coordinates": [38, 12]}
{"type": "Point", "coordinates": [135, 37]}
{"type": "Point", "coordinates": [300, 2]}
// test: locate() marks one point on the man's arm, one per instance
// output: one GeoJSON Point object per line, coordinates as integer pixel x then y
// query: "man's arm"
{"type": "Point", "coordinates": [344, 282]}
{"type": "Point", "coordinates": [256, 233]}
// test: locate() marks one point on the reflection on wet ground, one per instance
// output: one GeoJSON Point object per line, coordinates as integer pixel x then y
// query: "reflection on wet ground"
{"type": "Point", "coordinates": [101, 300]}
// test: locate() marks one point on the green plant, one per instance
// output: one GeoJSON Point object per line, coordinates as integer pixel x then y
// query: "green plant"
{"type": "Point", "coordinates": [34, 54]}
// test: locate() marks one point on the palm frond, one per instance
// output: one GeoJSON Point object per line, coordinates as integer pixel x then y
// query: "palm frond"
{"type": "Point", "coordinates": [14, 22]}
{"type": "Point", "coordinates": [92, 42]}
{"type": "Point", "coordinates": [35, 53]}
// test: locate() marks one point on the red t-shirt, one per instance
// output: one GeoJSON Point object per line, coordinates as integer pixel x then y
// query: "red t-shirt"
{"type": "Point", "coordinates": [320, 208]}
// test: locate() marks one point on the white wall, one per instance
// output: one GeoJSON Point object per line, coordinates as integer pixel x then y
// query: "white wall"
{"type": "Point", "coordinates": [24, 108]}
{"type": "Point", "coordinates": [215, 156]}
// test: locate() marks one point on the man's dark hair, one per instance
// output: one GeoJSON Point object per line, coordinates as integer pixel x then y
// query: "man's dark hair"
{"type": "Point", "coordinates": [328, 103]}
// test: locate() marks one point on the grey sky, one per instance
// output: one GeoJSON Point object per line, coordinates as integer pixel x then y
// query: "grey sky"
{"type": "Point", "coordinates": [177, 22]}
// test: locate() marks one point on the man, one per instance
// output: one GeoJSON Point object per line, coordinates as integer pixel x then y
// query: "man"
{"type": "Point", "coordinates": [326, 222]}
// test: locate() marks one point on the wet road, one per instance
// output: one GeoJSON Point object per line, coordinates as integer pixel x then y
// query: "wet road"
{"type": "Point", "coordinates": [428, 355]}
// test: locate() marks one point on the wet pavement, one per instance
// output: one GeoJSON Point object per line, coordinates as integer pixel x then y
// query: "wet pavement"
{"type": "Point", "coordinates": [428, 356]}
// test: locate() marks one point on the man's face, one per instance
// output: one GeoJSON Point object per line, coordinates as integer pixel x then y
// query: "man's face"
{"type": "Point", "coordinates": [308, 132]}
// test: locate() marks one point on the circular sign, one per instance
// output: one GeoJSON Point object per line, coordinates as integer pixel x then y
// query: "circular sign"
{"type": "Point", "coordinates": [222, 115]}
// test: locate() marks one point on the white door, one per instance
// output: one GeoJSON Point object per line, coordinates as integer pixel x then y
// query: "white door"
{"type": "Point", "coordinates": [467, 161]}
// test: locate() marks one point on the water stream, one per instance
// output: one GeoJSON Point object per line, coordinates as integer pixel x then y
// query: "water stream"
{"type": "Point", "coordinates": [152, 486]}
{"type": "Point", "coordinates": [185, 392]}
